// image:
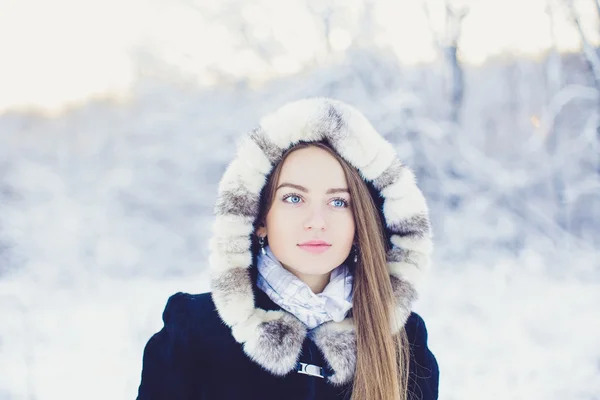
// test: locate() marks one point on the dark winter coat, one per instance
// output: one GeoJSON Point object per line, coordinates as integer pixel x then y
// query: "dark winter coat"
{"type": "Point", "coordinates": [195, 357]}
{"type": "Point", "coordinates": [235, 343]}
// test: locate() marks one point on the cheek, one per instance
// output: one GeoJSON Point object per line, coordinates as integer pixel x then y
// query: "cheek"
{"type": "Point", "coordinates": [344, 227]}
{"type": "Point", "coordinates": [280, 223]}
{"type": "Point", "coordinates": [280, 233]}
{"type": "Point", "coordinates": [282, 216]}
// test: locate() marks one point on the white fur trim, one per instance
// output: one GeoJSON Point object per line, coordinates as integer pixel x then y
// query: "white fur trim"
{"type": "Point", "coordinates": [424, 246]}
{"type": "Point", "coordinates": [405, 185]}
{"type": "Point", "coordinates": [408, 272]}
{"type": "Point", "coordinates": [274, 339]}
{"type": "Point", "coordinates": [226, 261]}
{"type": "Point", "coordinates": [235, 307]}
{"type": "Point", "coordinates": [292, 123]}
{"type": "Point", "coordinates": [246, 330]}
{"type": "Point", "coordinates": [346, 325]}
{"type": "Point", "coordinates": [232, 225]}
{"type": "Point", "coordinates": [363, 143]}
{"type": "Point", "coordinates": [399, 318]}
{"type": "Point", "coordinates": [229, 245]}
{"type": "Point", "coordinates": [380, 163]}
{"type": "Point", "coordinates": [337, 342]}
{"type": "Point", "coordinates": [276, 351]}
{"type": "Point", "coordinates": [238, 175]}
{"type": "Point", "coordinates": [253, 156]}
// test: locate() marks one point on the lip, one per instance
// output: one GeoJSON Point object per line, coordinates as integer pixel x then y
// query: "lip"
{"type": "Point", "coordinates": [315, 243]}
{"type": "Point", "coordinates": [315, 246]}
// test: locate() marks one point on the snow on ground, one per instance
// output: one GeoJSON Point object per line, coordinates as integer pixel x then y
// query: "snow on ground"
{"type": "Point", "coordinates": [81, 342]}
{"type": "Point", "coordinates": [505, 329]}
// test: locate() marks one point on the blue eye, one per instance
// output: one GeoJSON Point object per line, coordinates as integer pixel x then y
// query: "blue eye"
{"type": "Point", "coordinates": [295, 198]}
{"type": "Point", "coordinates": [340, 203]}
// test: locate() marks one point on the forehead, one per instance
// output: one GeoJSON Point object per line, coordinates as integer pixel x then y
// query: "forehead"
{"type": "Point", "coordinates": [314, 167]}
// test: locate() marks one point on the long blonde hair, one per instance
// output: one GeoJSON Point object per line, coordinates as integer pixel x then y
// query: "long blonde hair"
{"type": "Point", "coordinates": [381, 358]}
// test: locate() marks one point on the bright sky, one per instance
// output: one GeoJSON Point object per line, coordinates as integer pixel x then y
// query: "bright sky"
{"type": "Point", "coordinates": [57, 53]}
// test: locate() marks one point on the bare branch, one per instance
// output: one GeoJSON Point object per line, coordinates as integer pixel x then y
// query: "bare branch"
{"type": "Point", "coordinates": [553, 67]}
{"type": "Point", "coordinates": [588, 50]}
{"type": "Point", "coordinates": [434, 35]}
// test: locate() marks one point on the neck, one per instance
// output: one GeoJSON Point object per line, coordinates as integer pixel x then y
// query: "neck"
{"type": "Point", "coordinates": [316, 283]}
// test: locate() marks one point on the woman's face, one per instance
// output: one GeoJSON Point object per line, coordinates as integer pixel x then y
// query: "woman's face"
{"type": "Point", "coordinates": [311, 203]}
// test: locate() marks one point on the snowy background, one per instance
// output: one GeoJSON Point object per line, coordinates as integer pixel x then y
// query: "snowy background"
{"type": "Point", "coordinates": [117, 119]}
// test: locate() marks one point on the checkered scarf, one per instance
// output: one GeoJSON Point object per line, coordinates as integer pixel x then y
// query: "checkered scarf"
{"type": "Point", "coordinates": [296, 297]}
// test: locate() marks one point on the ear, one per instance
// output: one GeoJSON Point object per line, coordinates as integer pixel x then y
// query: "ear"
{"type": "Point", "coordinates": [261, 231]}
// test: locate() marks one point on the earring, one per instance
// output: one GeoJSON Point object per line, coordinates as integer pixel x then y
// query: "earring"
{"type": "Point", "coordinates": [261, 241]}
{"type": "Point", "coordinates": [355, 248]}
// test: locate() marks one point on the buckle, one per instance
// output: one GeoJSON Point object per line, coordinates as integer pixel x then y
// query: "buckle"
{"type": "Point", "coordinates": [310, 369]}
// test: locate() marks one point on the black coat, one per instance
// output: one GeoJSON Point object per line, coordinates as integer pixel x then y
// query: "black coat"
{"type": "Point", "coordinates": [194, 356]}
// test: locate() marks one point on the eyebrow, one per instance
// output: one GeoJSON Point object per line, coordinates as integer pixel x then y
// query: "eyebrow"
{"type": "Point", "coordinates": [303, 189]}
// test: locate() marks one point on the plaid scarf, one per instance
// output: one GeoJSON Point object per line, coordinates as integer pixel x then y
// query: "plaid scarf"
{"type": "Point", "coordinates": [296, 297]}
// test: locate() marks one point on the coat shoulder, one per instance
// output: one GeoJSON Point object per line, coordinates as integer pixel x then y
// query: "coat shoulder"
{"type": "Point", "coordinates": [171, 354]}
{"type": "Point", "coordinates": [192, 316]}
{"type": "Point", "coordinates": [416, 330]}
{"type": "Point", "coordinates": [424, 370]}
{"type": "Point", "coordinates": [183, 304]}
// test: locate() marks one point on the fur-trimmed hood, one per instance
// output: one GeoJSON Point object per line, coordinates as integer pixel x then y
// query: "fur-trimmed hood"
{"type": "Point", "coordinates": [274, 339]}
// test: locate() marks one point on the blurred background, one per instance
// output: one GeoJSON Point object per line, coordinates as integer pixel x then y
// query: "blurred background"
{"type": "Point", "coordinates": [117, 119]}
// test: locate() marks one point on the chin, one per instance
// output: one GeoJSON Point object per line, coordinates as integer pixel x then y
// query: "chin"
{"type": "Point", "coordinates": [317, 268]}
{"type": "Point", "coordinates": [315, 273]}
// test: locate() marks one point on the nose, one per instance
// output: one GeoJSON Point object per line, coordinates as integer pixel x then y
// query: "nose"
{"type": "Point", "coordinates": [315, 220]}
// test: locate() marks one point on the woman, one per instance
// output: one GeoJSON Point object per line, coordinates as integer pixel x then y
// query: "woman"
{"type": "Point", "coordinates": [321, 236]}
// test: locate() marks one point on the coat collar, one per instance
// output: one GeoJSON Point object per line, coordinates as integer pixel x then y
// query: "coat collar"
{"type": "Point", "coordinates": [274, 338]}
